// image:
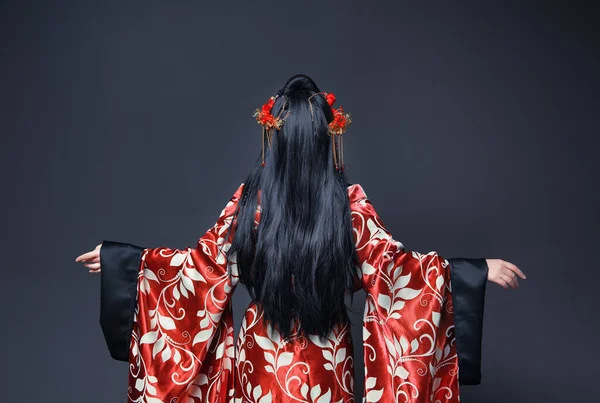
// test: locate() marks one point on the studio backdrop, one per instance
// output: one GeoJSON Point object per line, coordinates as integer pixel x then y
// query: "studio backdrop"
{"type": "Point", "coordinates": [474, 134]}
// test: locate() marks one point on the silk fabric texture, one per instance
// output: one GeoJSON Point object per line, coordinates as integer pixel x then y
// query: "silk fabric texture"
{"type": "Point", "coordinates": [168, 313]}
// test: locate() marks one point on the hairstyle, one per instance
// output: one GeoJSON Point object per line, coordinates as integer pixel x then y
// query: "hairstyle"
{"type": "Point", "coordinates": [300, 262]}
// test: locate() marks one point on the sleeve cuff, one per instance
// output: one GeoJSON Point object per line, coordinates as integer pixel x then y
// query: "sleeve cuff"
{"type": "Point", "coordinates": [468, 282]}
{"type": "Point", "coordinates": [118, 287]}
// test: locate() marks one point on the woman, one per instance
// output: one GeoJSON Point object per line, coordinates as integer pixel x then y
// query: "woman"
{"type": "Point", "coordinates": [301, 239]}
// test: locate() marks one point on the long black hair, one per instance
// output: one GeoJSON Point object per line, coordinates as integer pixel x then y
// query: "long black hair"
{"type": "Point", "coordinates": [300, 263]}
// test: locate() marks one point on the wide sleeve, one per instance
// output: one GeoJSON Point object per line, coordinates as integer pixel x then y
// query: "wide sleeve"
{"type": "Point", "coordinates": [413, 334]}
{"type": "Point", "coordinates": [469, 278]}
{"type": "Point", "coordinates": [168, 313]}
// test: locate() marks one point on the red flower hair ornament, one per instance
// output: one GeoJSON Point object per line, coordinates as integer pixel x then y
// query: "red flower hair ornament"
{"type": "Point", "coordinates": [337, 126]}
{"type": "Point", "coordinates": [264, 117]}
{"type": "Point", "coordinates": [269, 122]}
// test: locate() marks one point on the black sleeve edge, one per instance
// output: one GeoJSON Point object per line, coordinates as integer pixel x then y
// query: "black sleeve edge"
{"type": "Point", "coordinates": [468, 282]}
{"type": "Point", "coordinates": [118, 287]}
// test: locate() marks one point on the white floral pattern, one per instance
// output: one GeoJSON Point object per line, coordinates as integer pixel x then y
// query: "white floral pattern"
{"type": "Point", "coordinates": [182, 347]}
{"type": "Point", "coordinates": [409, 308]}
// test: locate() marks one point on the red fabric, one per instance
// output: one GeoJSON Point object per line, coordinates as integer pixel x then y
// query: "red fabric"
{"type": "Point", "coordinates": [182, 347]}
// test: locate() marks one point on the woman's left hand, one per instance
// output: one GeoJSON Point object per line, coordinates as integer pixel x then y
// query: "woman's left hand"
{"type": "Point", "coordinates": [91, 259]}
{"type": "Point", "coordinates": [504, 273]}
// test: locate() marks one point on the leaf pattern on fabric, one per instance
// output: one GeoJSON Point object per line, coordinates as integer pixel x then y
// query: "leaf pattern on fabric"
{"type": "Point", "coordinates": [182, 347]}
{"type": "Point", "coordinates": [408, 327]}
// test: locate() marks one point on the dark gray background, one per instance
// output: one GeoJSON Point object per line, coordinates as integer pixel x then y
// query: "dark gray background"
{"type": "Point", "coordinates": [475, 134]}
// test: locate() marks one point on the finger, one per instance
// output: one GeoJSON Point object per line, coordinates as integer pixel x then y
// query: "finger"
{"type": "Point", "coordinates": [510, 277]}
{"type": "Point", "coordinates": [83, 257]}
{"type": "Point", "coordinates": [513, 275]}
{"type": "Point", "coordinates": [512, 281]}
{"type": "Point", "coordinates": [515, 269]}
{"type": "Point", "coordinates": [508, 272]}
{"type": "Point", "coordinates": [94, 266]}
{"type": "Point", "coordinates": [87, 256]}
{"type": "Point", "coordinates": [95, 271]}
{"type": "Point", "coordinates": [502, 283]}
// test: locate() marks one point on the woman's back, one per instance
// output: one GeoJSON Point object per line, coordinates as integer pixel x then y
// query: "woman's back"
{"type": "Point", "coordinates": [402, 357]}
{"type": "Point", "coordinates": [274, 368]}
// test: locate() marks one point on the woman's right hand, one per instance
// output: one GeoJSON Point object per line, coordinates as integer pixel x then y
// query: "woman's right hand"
{"type": "Point", "coordinates": [504, 273]}
{"type": "Point", "coordinates": [91, 259]}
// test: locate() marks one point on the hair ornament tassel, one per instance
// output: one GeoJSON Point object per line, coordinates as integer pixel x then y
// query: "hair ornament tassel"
{"type": "Point", "coordinates": [337, 127]}
{"type": "Point", "coordinates": [269, 122]}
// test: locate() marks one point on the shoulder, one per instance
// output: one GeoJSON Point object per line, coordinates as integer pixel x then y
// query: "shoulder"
{"type": "Point", "coordinates": [238, 192]}
{"type": "Point", "coordinates": [231, 206]}
{"type": "Point", "coordinates": [356, 193]}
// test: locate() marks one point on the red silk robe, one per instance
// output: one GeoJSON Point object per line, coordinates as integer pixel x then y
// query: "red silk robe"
{"type": "Point", "coordinates": [168, 313]}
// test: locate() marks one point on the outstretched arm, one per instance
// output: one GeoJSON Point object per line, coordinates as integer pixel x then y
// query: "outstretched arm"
{"type": "Point", "coordinates": [424, 313]}
{"type": "Point", "coordinates": [168, 313]}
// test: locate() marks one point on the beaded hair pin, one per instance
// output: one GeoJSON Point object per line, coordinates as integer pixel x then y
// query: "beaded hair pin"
{"type": "Point", "coordinates": [269, 122]}
{"type": "Point", "coordinates": [337, 126]}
